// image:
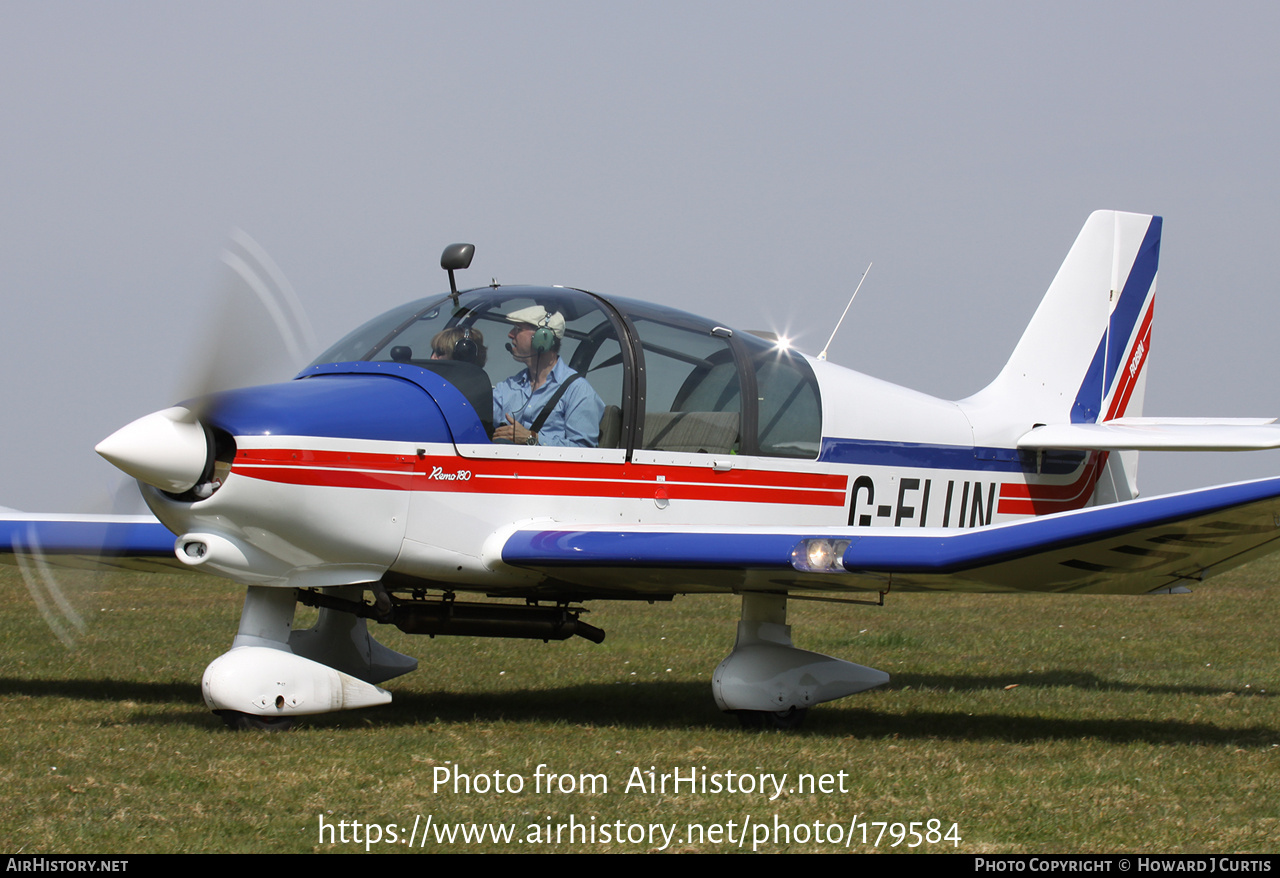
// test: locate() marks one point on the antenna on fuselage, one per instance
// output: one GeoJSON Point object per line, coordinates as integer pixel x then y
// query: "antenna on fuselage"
{"type": "Point", "coordinates": [456, 257]}
{"type": "Point", "coordinates": [823, 355]}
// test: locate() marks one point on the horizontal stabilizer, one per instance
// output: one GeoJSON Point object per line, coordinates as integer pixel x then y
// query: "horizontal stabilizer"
{"type": "Point", "coordinates": [1156, 434]}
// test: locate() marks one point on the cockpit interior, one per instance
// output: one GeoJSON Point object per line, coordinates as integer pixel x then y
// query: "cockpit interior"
{"type": "Point", "coordinates": [670, 381]}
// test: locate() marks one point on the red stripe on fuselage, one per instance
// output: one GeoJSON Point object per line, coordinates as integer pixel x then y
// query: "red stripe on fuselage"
{"type": "Point", "coordinates": [1020, 498]}
{"type": "Point", "coordinates": [1025, 499]}
{"type": "Point", "coordinates": [537, 477]}
{"type": "Point", "coordinates": [312, 457]}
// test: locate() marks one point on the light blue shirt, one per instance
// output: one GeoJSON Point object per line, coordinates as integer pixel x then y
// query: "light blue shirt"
{"type": "Point", "coordinates": [575, 419]}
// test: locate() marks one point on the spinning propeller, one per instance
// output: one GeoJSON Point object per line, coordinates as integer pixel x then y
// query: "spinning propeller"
{"type": "Point", "coordinates": [258, 333]}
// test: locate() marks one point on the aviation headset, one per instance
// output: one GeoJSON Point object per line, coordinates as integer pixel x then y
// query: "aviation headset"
{"type": "Point", "coordinates": [465, 349]}
{"type": "Point", "coordinates": [544, 337]}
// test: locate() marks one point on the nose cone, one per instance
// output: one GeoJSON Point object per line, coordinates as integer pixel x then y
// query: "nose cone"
{"type": "Point", "coordinates": [166, 449]}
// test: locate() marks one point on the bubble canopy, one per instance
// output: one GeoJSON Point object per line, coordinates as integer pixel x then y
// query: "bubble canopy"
{"type": "Point", "coordinates": [670, 381]}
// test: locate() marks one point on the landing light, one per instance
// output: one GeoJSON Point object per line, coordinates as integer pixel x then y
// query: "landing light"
{"type": "Point", "coordinates": [819, 555]}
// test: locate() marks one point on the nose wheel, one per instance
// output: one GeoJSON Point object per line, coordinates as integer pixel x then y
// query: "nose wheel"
{"type": "Point", "coordinates": [247, 722]}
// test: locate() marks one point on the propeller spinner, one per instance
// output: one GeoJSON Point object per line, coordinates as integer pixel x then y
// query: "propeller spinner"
{"type": "Point", "coordinates": [167, 449]}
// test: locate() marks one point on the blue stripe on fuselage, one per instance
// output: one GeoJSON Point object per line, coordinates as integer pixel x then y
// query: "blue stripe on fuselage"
{"type": "Point", "coordinates": [918, 455]}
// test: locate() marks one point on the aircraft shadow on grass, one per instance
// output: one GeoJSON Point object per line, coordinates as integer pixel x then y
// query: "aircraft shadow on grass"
{"type": "Point", "coordinates": [663, 705]}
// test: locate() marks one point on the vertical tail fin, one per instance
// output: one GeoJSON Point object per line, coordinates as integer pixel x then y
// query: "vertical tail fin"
{"type": "Point", "coordinates": [1082, 359]}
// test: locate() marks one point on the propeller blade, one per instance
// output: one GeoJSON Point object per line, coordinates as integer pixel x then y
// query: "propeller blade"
{"type": "Point", "coordinates": [257, 331]}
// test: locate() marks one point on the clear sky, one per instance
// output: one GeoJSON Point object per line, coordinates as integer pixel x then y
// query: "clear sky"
{"type": "Point", "coordinates": [745, 160]}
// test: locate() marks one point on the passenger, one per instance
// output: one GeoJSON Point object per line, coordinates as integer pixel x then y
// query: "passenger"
{"type": "Point", "coordinates": [545, 403]}
{"type": "Point", "coordinates": [458, 356]}
{"type": "Point", "coordinates": [460, 343]}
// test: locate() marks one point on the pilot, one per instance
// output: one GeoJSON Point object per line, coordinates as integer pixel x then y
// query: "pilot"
{"type": "Point", "coordinates": [545, 403]}
{"type": "Point", "coordinates": [460, 343]}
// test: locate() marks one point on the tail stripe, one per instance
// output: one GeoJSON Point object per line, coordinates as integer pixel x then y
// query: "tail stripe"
{"type": "Point", "coordinates": [1128, 310]}
{"type": "Point", "coordinates": [1129, 377]}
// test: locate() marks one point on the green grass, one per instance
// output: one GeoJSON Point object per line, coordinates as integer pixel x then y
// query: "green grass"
{"type": "Point", "coordinates": [1035, 723]}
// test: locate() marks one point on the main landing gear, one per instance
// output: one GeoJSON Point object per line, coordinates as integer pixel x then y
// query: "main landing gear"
{"type": "Point", "coordinates": [780, 720]}
{"type": "Point", "coordinates": [769, 683]}
{"type": "Point", "coordinates": [273, 674]}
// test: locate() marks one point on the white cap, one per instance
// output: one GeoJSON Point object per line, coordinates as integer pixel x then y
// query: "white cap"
{"type": "Point", "coordinates": [536, 315]}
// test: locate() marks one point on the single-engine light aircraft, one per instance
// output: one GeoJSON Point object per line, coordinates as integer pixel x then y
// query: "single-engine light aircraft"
{"type": "Point", "coordinates": [640, 452]}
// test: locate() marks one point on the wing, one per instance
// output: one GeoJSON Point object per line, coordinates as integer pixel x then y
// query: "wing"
{"type": "Point", "coordinates": [1136, 547]}
{"type": "Point", "coordinates": [137, 542]}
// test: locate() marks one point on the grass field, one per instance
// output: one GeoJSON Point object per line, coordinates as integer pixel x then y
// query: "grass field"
{"type": "Point", "coordinates": [1033, 724]}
